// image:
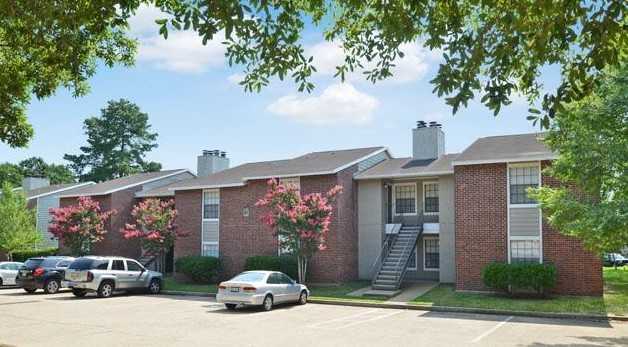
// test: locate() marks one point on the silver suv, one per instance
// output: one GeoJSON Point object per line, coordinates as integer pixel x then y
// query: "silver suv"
{"type": "Point", "coordinates": [104, 275]}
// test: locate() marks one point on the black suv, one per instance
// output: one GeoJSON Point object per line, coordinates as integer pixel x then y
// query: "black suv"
{"type": "Point", "coordinates": [43, 273]}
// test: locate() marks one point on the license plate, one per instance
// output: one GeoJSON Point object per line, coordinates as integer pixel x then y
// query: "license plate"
{"type": "Point", "coordinates": [25, 272]}
{"type": "Point", "coordinates": [74, 276]}
{"type": "Point", "coordinates": [234, 289]}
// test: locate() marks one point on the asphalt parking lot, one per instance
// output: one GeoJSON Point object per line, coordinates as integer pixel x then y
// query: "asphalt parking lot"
{"type": "Point", "coordinates": [143, 320]}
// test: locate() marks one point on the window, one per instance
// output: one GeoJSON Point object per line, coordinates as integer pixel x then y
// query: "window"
{"type": "Point", "coordinates": [525, 251]}
{"type": "Point", "coordinates": [102, 265]}
{"type": "Point", "coordinates": [210, 249]}
{"type": "Point", "coordinates": [274, 278]}
{"type": "Point", "coordinates": [133, 266]}
{"type": "Point", "coordinates": [293, 182]}
{"type": "Point", "coordinates": [431, 254]}
{"type": "Point", "coordinates": [522, 178]}
{"type": "Point", "coordinates": [4, 267]}
{"type": "Point", "coordinates": [211, 204]}
{"type": "Point", "coordinates": [117, 265]}
{"type": "Point", "coordinates": [284, 279]}
{"type": "Point", "coordinates": [249, 277]}
{"type": "Point", "coordinates": [405, 198]}
{"type": "Point", "coordinates": [430, 198]}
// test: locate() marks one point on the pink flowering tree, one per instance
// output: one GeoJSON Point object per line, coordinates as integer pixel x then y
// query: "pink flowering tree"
{"type": "Point", "coordinates": [79, 226]}
{"type": "Point", "coordinates": [154, 226]}
{"type": "Point", "coordinates": [300, 222]}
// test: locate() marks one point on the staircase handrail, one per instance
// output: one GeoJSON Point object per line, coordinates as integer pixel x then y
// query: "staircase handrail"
{"type": "Point", "coordinates": [388, 241]}
{"type": "Point", "coordinates": [408, 250]}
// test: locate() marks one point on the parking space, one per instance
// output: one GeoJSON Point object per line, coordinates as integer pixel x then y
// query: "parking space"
{"type": "Point", "coordinates": [138, 320]}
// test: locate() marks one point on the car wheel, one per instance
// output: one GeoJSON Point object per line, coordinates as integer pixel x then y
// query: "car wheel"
{"type": "Point", "coordinates": [30, 290]}
{"type": "Point", "coordinates": [105, 290]}
{"type": "Point", "coordinates": [52, 287]}
{"type": "Point", "coordinates": [302, 298]}
{"type": "Point", "coordinates": [79, 293]}
{"type": "Point", "coordinates": [231, 307]}
{"type": "Point", "coordinates": [268, 303]}
{"type": "Point", "coordinates": [155, 286]}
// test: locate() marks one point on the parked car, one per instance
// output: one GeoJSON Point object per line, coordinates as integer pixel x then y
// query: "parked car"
{"type": "Point", "coordinates": [43, 273]}
{"type": "Point", "coordinates": [265, 288]}
{"type": "Point", "coordinates": [104, 275]}
{"type": "Point", "coordinates": [8, 272]}
{"type": "Point", "coordinates": [614, 259]}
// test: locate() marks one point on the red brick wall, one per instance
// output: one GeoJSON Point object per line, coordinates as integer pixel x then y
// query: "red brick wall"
{"type": "Point", "coordinates": [481, 217]}
{"type": "Point", "coordinates": [114, 243]}
{"type": "Point", "coordinates": [579, 271]}
{"type": "Point", "coordinates": [188, 204]}
{"type": "Point", "coordinates": [481, 234]}
{"type": "Point", "coordinates": [242, 237]}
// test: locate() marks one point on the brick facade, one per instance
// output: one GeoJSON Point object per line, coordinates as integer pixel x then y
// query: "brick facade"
{"type": "Point", "coordinates": [481, 221]}
{"type": "Point", "coordinates": [481, 234]}
{"type": "Point", "coordinates": [243, 236]}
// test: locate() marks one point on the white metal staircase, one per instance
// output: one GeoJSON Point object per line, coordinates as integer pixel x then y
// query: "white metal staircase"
{"type": "Point", "coordinates": [396, 252]}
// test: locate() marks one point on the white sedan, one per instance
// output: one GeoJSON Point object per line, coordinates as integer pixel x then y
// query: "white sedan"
{"type": "Point", "coordinates": [8, 272]}
{"type": "Point", "coordinates": [261, 288]}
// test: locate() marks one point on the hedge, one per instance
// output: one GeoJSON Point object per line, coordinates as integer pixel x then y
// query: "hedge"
{"type": "Point", "coordinates": [519, 277]}
{"type": "Point", "coordinates": [285, 263]}
{"type": "Point", "coordinates": [198, 268]}
{"type": "Point", "coordinates": [44, 252]}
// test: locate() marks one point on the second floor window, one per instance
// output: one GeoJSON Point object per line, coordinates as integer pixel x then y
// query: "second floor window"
{"type": "Point", "coordinates": [405, 199]}
{"type": "Point", "coordinates": [430, 193]}
{"type": "Point", "coordinates": [522, 178]}
{"type": "Point", "coordinates": [211, 204]}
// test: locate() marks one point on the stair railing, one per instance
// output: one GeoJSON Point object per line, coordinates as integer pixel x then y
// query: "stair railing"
{"type": "Point", "coordinates": [389, 240]}
{"type": "Point", "coordinates": [407, 252]}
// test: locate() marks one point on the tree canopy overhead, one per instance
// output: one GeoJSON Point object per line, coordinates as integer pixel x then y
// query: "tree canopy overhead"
{"type": "Point", "coordinates": [491, 49]}
{"type": "Point", "coordinates": [117, 143]}
{"type": "Point", "coordinates": [34, 167]}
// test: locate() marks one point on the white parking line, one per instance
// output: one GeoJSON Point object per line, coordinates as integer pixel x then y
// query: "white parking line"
{"type": "Point", "coordinates": [491, 330]}
{"type": "Point", "coordinates": [368, 320]}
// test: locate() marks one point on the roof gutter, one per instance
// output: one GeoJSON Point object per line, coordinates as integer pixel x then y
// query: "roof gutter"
{"type": "Point", "coordinates": [408, 175]}
{"type": "Point", "coordinates": [505, 160]}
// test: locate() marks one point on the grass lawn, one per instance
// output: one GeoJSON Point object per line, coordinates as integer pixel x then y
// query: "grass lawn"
{"type": "Point", "coordinates": [341, 291]}
{"type": "Point", "coordinates": [171, 284]}
{"type": "Point", "coordinates": [615, 298]}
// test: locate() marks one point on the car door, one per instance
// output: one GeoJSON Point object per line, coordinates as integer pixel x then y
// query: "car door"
{"type": "Point", "coordinates": [118, 270]}
{"type": "Point", "coordinates": [276, 287]}
{"type": "Point", "coordinates": [135, 275]}
{"type": "Point", "coordinates": [291, 288]}
{"type": "Point", "coordinates": [5, 273]}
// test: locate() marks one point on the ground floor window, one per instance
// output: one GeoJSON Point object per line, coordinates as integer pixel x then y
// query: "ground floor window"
{"type": "Point", "coordinates": [431, 254]}
{"type": "Point", "coordinates": [210, 249]}
{"type": "Point", "coordinates": [525, 251]}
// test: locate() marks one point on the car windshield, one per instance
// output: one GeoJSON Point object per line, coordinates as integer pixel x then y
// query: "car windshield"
{"type": "Point", "coordinates": [50, 262]}
{"type": "Point", "coordinates": [249, 277]}
{"type": "Point", "coordinates": [33, 263]}
{"type": "Point", "coordinates": [83, 264]}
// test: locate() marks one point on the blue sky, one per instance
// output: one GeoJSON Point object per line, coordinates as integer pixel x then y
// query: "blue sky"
{"type": "Point", "coordinates": [194, 103]}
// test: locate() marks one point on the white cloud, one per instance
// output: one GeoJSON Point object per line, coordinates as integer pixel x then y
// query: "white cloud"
{"type": "Point", "coordinates": [412, 67]}
{"type": "Point", "coordinates": [183, 51]}
{"type": "Point", "coordinates": [235, 78]}
{"type": "Point", "coordinates": [339, 103]}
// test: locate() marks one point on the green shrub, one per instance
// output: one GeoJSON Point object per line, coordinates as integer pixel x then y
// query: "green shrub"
{"type": "Point", "coordinates": [44, 252]}
{"type": "Point", "coordinates": [199, 269]}
{"type": "Point", "coordinates": [519, 277]}
{"type": "Point", "coordinates": [285, 263]}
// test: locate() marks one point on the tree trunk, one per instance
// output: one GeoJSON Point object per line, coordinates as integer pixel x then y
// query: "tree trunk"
{"type": "Point", "coordinates": [302, 268]}
{"type": "Point", "coordinates": [10, 256]}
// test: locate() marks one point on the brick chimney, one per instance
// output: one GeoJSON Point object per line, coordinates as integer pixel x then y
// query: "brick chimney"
{"type": "Point", "coordinates": [428, 141]}
{"type": "Point", "coordinates": [211, 162]}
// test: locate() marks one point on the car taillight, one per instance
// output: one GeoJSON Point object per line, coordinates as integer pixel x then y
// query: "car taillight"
{"type": "Point", "coordinates": [249, 289]}
{"type": "Point", "coordinates": [38, 271]}
{"type": "Point", "coordinates": [90, 276]}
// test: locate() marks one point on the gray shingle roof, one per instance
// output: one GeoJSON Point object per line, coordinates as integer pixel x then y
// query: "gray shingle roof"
{"type": "Point", "coordinates": [108, 187]}
{"type": "Point", "coordinates": [55, 188]}
{"type": "Point", "coordinates": [315, 163]}
{"type": "Point", "coordinates": [507, 148]}
{"type": "Point", "coordinates": [407, 167]}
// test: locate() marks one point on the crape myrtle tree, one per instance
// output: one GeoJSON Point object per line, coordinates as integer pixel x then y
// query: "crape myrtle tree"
{"type": "Point", "coordinates": [591, 138]}
{"type": "Point", "coordinates": [491, 49]}
{"type": "Point", "coordinates": [17, 223]}
{"type": "Point", "coordinates": [300, 222]}
{"type": "Point", "coordinates": [155, 227]}
{"type": "Point", "coordinates": [79, 226]}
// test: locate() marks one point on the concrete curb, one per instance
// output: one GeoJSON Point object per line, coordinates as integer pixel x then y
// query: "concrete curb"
{"type": "Point", "coordinates": [182, 293]}
{"type": "Point", "coordinates": [577, 316]}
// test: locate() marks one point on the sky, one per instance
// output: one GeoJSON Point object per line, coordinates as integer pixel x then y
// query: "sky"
{"type": "Point", "coordinates": [194, 103]}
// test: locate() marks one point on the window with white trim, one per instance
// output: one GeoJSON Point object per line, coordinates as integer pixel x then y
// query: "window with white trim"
{"type": "Point", "coordinates": [210, 249]}
{"type": "Point", "coordinates": [405, 198]}
{"type": "Point", "coordinates": [430, 198]}
{"type": "Point", "coordinates": [294, 182]}
{"type": "Point", "coordinates": [521, 178]}
{"type": "Point", "coordinates": [525, 250]}
{"type": "Point", "coordinates": [431, 254]}
{"type": "Point", "coordinates": [211, 204]}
